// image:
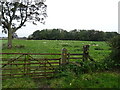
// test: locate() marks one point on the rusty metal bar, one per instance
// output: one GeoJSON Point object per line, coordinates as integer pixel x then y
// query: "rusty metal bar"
{"type": "Point", "coordinates": [32, 53]}
{"type": "Point", "coordinates": [32, 67]}
{"type": "Point", "coordinates": [29, 63]}
{"type": "Point", "coordinates": [11, 61]}
{"type": "Point", "coordinates": [4, 78]}
{"type": "Point", "coordinates": [41, 53]}
{"type": "Point", "coordinates": [75, 58]}
{"type": "Point", "coordinates": [27, 73]}
{"type": "Point", "coordinates": [75, 54]}
{"type": "Point", "coordinates": [41, 77]}
{"type": "Point", "coordinates": [5, 59]}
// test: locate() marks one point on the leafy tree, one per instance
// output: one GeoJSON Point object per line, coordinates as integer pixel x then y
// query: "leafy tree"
{"type": "Point", "coordinates": [83, 35]}
{"type": "Point", "coordinates": [16, 13]}
{"type": "Point", "coordinates": [36, 35]}
{"type": "Point", "coordinates": [115, 54]}
{"type": "Point", "coordinates": [109, 35]}
{"type": "Point", "coordinates": [60, 34]}
{"type": "Point", "coordinates": [64, 35]}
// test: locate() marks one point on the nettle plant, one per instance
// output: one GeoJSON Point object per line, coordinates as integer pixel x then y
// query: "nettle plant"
{"type": "Point", "coordinates": [15, 13]}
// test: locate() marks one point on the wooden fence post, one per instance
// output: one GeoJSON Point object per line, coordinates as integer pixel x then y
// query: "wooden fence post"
{"type": "Point", "coordinates": [63, 56]}
{"type": "Point", "coordinates": [85, 52]}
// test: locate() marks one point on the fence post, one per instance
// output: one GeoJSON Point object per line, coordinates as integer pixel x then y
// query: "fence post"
{"type": "Point", "coordinates": [63, 56]}
{"type": "Point", "coordinates": [85, 52]}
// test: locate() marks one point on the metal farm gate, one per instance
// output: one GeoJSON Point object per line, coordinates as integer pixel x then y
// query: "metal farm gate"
{"type": "Point", "coordinates": [28, 64]}
{"type": "Point", "coordinates": [36, 65]}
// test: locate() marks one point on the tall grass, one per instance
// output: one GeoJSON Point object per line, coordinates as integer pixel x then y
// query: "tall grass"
{"type": "Point", "coordinates": [94, 80]}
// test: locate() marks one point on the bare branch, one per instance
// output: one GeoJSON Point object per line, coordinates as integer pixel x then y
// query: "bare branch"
{"type": "Point", "coordinates": [3, 12]}
{"type": "Point", "coordinates": [8, 9]}
{"type": "Point", "coordinates": [14, 11]}
{"type": "Point", "coordinates": [22, 20]}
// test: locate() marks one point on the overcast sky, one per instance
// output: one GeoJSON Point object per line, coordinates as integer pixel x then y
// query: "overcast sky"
{"type": "Point", "coordinates": [77, 14]}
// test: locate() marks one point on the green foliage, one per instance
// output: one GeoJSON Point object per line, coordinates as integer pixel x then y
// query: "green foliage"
{"type": "Point", "coordinates": [115, 54]}
{"type": "Point", "coordinates": [115, 42]}
{"type": "Point", "coordinates": [93, 80]}
{"type": "Point", "coordinates": [81, 68]}
{"type": "Point", "coordinates": [60, 34]}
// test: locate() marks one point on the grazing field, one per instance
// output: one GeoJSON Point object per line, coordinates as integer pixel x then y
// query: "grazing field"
{"type": "Point", "coordinates": [98, 50]}
{"type": "Point", "coordinates": [66, 79]}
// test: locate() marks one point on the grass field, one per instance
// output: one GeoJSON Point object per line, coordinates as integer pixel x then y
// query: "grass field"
{"type": "Point", "coordinates": [98, 51]}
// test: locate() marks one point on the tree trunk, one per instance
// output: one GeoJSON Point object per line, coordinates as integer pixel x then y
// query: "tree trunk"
{"type": "Point", "coordinates": [9, 39]}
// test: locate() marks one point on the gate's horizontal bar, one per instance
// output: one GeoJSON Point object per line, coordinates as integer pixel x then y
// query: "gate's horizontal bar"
{"type": "Point", "coordinates": [21, 77]}
{"type": "Point", "coordinates": [5, 59]}
{"type": "Point", "coordinates": [36, 76]}
{"type": "Point", "coordinates": [42, 77]}
{"type": "Point", "coordinates": [32, 53]}
{"type": "Point", "coordinates": [75, 58]}
{"type": "Point", "coordinates": [27, 73]}
{"type": "Point", "coordinates": [31, 67]}
{"type": "Point", "coordinates": [41, 53]}
{"type": "Point", "coordinates": [29, 63]}
{"type": "Point", "coordinates": [76, 54]}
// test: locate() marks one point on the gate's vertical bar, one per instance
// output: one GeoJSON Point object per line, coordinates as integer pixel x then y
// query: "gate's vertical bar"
{"type": "Point", "coordinates": [25, 65]}
{"type": "Point", "coordinates": [28, 65]}
{"type": "Point", "coordinates": [10, 68]}
{"type": "Point", "coordinates": [45, 68]}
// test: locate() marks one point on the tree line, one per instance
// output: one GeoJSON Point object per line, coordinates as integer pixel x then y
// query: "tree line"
{"type": "Point", "coordinates": [60, 34]}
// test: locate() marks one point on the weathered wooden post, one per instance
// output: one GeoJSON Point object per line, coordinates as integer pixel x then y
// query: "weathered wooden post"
{"type": "Point", "coordinates": [63, 56]}
{"type": "Point", "coordinates": [85, 52]}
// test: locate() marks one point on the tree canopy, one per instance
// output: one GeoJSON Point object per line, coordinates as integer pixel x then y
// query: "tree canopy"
{"type": "Point", "coordinates": [14, 14]}
{"type": "Point", "coordinates": [60, 34]}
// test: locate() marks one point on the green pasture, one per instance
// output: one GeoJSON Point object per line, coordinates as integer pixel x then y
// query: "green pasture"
{"type": "Point", "coordinates": [98, 50]}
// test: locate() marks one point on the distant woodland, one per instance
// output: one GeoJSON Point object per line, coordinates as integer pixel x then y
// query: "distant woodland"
{"type": "Point", "coordinates": [60, 34]}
